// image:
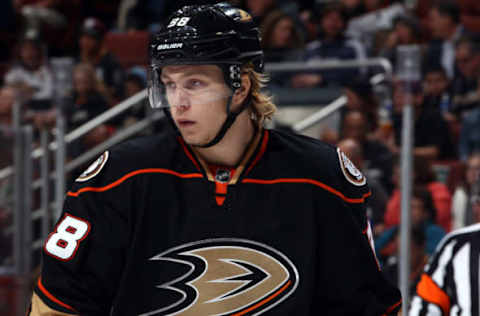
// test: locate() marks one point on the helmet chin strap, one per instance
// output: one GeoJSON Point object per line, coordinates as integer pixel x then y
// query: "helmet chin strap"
{"type": "Point", "coordinates": [231, 116]}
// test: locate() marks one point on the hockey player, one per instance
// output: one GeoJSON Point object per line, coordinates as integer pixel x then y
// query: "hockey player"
{"type": "Point", "coordinates": [221, 217]}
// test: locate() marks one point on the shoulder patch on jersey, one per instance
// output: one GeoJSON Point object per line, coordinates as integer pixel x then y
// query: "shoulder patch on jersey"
{"type": "Point", "coordinates": [94, 168]}
{"type": "Point", "coordinates": [351, 173]}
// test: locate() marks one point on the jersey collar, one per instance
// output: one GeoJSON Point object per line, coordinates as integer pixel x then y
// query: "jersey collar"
{"type": "Point", "coordinates": [252, 155]}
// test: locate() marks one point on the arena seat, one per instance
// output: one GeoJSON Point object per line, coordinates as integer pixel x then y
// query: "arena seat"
{"type": "Point", "coordinates": [130, 48]}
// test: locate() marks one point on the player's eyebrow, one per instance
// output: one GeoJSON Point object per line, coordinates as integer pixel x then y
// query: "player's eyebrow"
{"type": "Point", "coordinates": [187, 72]}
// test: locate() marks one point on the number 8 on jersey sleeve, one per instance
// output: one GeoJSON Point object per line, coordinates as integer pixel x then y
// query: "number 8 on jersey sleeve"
{"type": "Point", "coordinates": [64, 241]}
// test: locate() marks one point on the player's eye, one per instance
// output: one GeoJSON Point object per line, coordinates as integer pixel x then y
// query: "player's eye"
{"type": "Point", "coordinates": [194, 84]}
{"type": "Point", "coordinates": [169, 85]}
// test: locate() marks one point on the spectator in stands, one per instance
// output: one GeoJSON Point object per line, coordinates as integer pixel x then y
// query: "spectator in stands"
{"type": "Point", "coordinates": [438, 96]}
{"type": "Point", "coordinates": [7, 101]}
{"type": "Point", "coordinates": [309, 21]}
{"type": "Point", "coordinates": [6, 184]}
{"type": "Point", "coordinates": [378, 200]}
{"type": "Point", "coordinates": [405, 31]}
{"type": "Point", "coordinates": [31, 75]}
{"type": "Point", "coordinates": [6, 211]}
{"type": "Point", "coordinates": [437, 93]}
{"type": "Point", "coordinates": [141, 15]}
{"type": "Point", "coordinates": [470, 13]}
{"type": "Point", "coordinates": [462, 197]}
{"type": "Point", "coordinates": [88, 101]}
{"type": "Point", "coordinates": [423, 214]}
{"type": "Point", "coordinates": [280, 37]}
{"type": "Point", "coordinates": [134, 83]}
{"type": "Point", "coordinates": [377, 157]}
{"type": "Point", "coordinates": [97, 136]}
{"type": "Point", "coordinates": [281, 42]}
{"type": "Point", "coordinates": [432, 137]}
{"type": "Point", "coordinates": [331, 44]}
{"type": "Point", "coordinates": [107, 68]}
{"type": "Point", "coordinates": [446, 29]}
{"type": "Point", "coordinates": [469, 140]}
{"type": "Point", "coordinates": [361, 97]}
{"type": "Point", "coordinates": [353, 8]}
{"type": "Point", "coordinates": [418, 258]}
{"type": "Point", "coordinates": [259, 9]}
{"type": "Point", "coordinates": [465, 84]}
{"type": "Point", "coordinates": [376, 21]}
{"type": "Point", "coordinates": [374, 5]}
{"type": "Point", "coordinates": [8, 96]}
{"type": "Point", "coordinates": [423, 176]}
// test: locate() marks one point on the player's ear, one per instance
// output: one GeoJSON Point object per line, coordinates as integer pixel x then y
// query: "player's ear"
{"type": "Point", "coordinates": [242, 92]}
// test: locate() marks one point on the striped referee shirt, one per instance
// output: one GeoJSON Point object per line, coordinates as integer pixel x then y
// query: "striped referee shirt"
{"type": "Point", "coordinates": [450, 283]}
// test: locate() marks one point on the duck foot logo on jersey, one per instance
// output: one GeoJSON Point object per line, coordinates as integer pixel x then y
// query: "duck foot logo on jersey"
{"type": "Point", "coordinates": [94, 168]}
{"type": "Point", "coordinates": [350, 171]}
{"type": "Point", "coordinates": [228, 277]}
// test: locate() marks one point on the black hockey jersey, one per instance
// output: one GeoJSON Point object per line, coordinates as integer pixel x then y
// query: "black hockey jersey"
{"type": "Point", "coordinates": [151, 229]}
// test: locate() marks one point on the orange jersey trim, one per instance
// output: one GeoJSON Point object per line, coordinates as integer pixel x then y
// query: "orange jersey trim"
{"type": "Point", "coordinates": [187, 152]}
{"type": "Point", "coordinates": [271, 297]}
{"type": "Point", "coordinates": [392, 308]}
{"type": "Point", "coordinates": [260, 152]}
{"type": "Point", "coordinates": [431, 292]}
{"type": "Point", "coordinates": [220, 200]}
{"type": "Point", "coordinates": [131, 174]}
{"type": "Point", "coordinates": [314, 182]}
{"type": "Point", "coordinates": [51, 297]}
{"type": "Point", "coordinates": [220, 187]}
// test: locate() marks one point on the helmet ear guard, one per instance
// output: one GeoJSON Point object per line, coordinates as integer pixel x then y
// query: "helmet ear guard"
{"type": "Point", "coordinates": [232, 75]}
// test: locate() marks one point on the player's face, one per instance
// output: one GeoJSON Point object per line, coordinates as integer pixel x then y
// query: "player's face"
{"type": "Point", "coordinates": [197, 95]}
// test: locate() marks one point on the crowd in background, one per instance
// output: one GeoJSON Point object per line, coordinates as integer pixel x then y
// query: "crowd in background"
{"type": "Point", "coordinates": [446, 102]}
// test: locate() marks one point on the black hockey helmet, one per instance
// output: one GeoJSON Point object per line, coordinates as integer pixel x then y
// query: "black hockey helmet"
{"type": "Point", "coordinates": [216, 34]}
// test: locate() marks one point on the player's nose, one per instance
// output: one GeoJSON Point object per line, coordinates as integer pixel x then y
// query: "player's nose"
{"type": "Point", "coordinates": [181, 100]}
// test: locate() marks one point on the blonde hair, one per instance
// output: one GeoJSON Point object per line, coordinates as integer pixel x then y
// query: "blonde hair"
{"type": "Point", "coordinates": [262, 106]}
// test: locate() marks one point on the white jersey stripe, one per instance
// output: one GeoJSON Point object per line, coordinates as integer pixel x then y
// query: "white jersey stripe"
{"type": "Point", "coordinates": [455, 311]}
{"type": "Point", "coordinates": [415, 306]}
{"type": "Point", "coordinates": [439, 275]}
{"type": "Point", "coordinates": [461, 275]}
{"type": "Point", "coordinates": [434, 310]}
